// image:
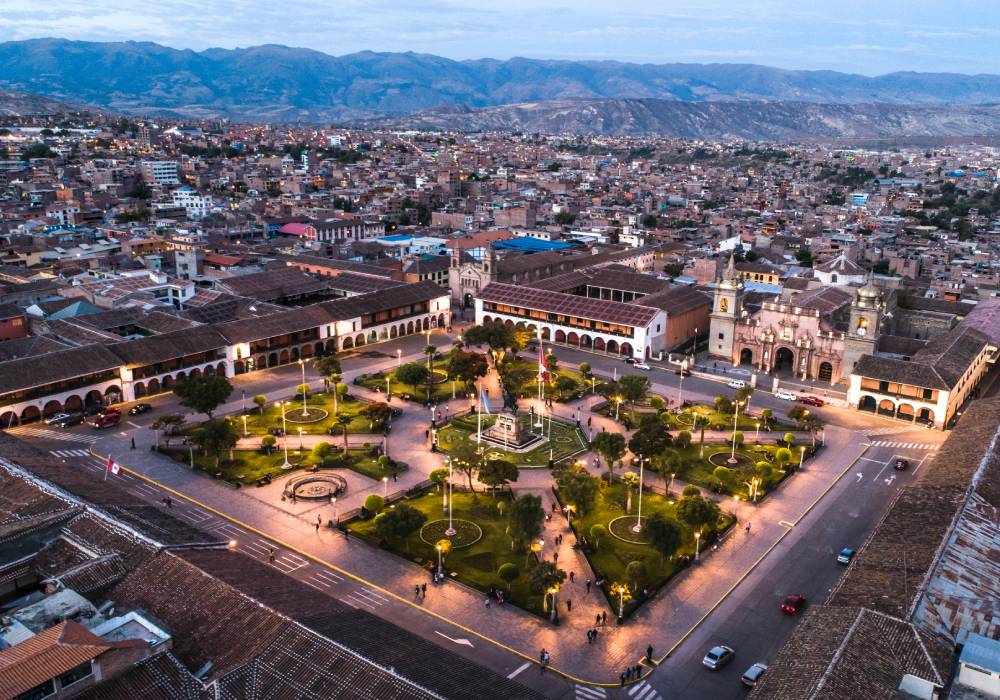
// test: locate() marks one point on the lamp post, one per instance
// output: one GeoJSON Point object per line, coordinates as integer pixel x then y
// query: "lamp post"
{"type": "Point", "coordinates": [593, 385]}
{"type": "Point", "coordinates": [736, 508]}
{"type": "Point", "coordinates": [388, 390]}
{"type": "Point", "coordinates": [244, 425]}
{"type": "Point", "coordinates": [385, 487]}
{"type": "Point", "coordinates": [697, 546]}
{"type": "Point", "coordinates": [440, 566]}
{"type": "Point", "coordinates": [680, 389]}
{"type": "Point", "coordinates": [451, 497]}
{"type": "Point", "coordinates": [638, 517]}
{"type": "Point", "coordinates": [671, 487]}
{"type": "Point", "coordinates": [300, 439]}
{"type": "Point", "coordinates": [399, 358]}
{"type": "Point", "coordinates": [736, 418]}
{"type": "Point", "coordinates": [305, 389]}
{"type": "Point", "coordinates": [618, 402]}
{"type": "Point", "coordinates": [756, 435]}
{"type": "Point", "coordinates": [284, 435]}
{"type": "Point", "coordinates": [336, 517]}
{"type": "Point", "coordinates": [802, 454]}
{"type": "Point", "coordinates": [553, 613]}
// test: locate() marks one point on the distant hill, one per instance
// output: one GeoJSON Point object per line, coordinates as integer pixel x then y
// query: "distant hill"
{"type": "Point", "coordinates": [13, 104]}
{"type": "Point", "coordinates": [763, 121]}
{"type": "Point", "coordinates": [277, 83]}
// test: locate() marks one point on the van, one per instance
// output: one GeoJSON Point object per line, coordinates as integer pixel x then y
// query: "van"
{"type": "Point", "coordinates": [106, 420]}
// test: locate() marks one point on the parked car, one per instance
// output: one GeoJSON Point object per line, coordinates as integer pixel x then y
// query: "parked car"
{"type": "Point", "coordinates": [845, 556]}
{"type": "Point", "coordinates": [139, 408]}
{"type": "Point", "coordinates": [901, 465]}
{"type": "Point", "coordinates": [737, 384]}
{"type": "Point", "coordinates": [682, 372]}
{"type": "Point", "coordinates": [71, 419]}
{"type": "Point", "coordinates": [56, 418]}
{"type": "Point", "coordinates": [751, 677]}
{"type": "Point", "coordinates": [785, 395]}
{"type": "Point", "coordinates": [792, 604]}
{"type": "Point", "coordinates": [630, 360]}
{"type": "Point", "coordinates": [642, 365]}
{"type": "Point", "coordinates": [812, 401]}
{"type": "Point", "coordinates": [717, 657]}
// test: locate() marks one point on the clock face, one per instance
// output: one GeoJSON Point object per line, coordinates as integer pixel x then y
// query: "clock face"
{"type": "Point", "coordinates": [862, 331]}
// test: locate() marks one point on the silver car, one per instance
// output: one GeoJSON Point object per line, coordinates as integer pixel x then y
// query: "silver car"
{"type": "Point", "coordinates": [751, 677]}
{"type": "Point", "coordinates": [717, 657]}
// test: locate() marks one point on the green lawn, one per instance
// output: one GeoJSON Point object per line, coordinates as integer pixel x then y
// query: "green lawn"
{"type": "Point", "coordinates": [475, 565]}
{"type": "Point", "coordinates": [250, 465]}
{"type": "Point", "coordinates": [700, 471]}
{"type": "Point", "coordinates": [610, 556]}
{"type": "Point", "coordinates": [440, 391]}
{"type": "Point", "coordinates": [566, 440]}
{"type": "Point", "coordinates": [745, 423]}
{"type": "Point", "coordinates": [260, 424]}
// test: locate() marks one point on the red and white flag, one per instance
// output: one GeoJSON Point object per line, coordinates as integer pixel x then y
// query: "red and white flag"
{"type": "Point", "coordinates": [543, 367]}
{"type": "Point", "coordinates": [113, 466]}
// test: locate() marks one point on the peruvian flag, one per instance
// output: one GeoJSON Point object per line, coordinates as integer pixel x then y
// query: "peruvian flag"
{"type": "Point", "coordinates": [113, 466]}
{"type": "Point", "coordinates": [543, 367]}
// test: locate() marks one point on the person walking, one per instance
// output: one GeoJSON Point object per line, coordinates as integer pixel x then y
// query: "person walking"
{"type": "Point", "coordinates": [133, 443]}
{"type": "Point", "coordinates": [604, 618]}
{"type": "Point", "coordinates": [597, 622]}
{"type": "Point", "coordinates": [649, 654]}
{"type": "Point", "coordinates": [748, 527]}
{"type": "Point", "coordinates": [423, 590]}
{"type": "Point", "coordinates": [622, 679]}
{"type": "Point", "coordinates": [543, 660]}
{"type": "Point", "coordinates": [588, 585]}
{"type": "Point", "coordinates": [569, 605]}
{"type": "Point", "coordinates": [416, 591]}
{"type": "Point", "coordinates": [270, 555]}
{"type": "Point", "coordinates": [572, 576]}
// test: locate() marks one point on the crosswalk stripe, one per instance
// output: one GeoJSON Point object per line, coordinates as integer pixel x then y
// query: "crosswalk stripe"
{"type": "Point", "coordinates": [583, 691]}
{"type": "Point", "coordinates": [329, 576]}
{"type": "Point", "coordinates": [636, 688]}
{"type": "Point", "coordinates": [646, 694]}
{"type": "Point", "coordinates": [320, 582]}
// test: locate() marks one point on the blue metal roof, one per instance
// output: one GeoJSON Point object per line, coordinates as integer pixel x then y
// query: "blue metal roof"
{"type": "Point", "coordinates": [396, 237]}
{"type": "Point", "coordinates": [531, 245]}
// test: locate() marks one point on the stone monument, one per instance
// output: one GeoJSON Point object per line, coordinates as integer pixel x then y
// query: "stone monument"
{"type": "Point", "coordinates": [508, 433]}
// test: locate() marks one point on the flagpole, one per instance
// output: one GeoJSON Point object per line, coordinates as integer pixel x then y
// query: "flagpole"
{"type": "Point", "coordinates": [479, 416]}
{"type": "Point", "coordinates": [541, 365]}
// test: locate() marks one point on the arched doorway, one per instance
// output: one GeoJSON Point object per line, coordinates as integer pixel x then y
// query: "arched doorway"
{"type": "Point", "coordinates": [784, 360]}
{"type": "Point", "coordinates": [93, 398]}
{"type": "Point", "coordinates": [8, 419]}
{"type": "Point", "coordinates": [905, 412]}
{"type": "Point", "coordinates": [195, 373]}
{"type": "Point", "coordinates": [73, 404]}
{"type": "Point", "coordinates": [220, 369]}
{"type": "Point", "coordinates": [168, 382]}
{"type": "Point", "coordinates": [139, 389]}
{"type": "Point", "coordinates": [348, 343]}
{"type": "Point", "coordinates": [626, 349]}
{"type": "Point", "coordinates": [560, 336]}
{"type": "Point", "coordinates": [867, 403]}
{"type": "Point", "coordinates": [409, 328]}
{"type": "Point", "coordinates": [112, 394]}
{"type": "Point", "coordinates": [546, 335]}
{"type": "Point", "coordinates": [585, 341]}
{"type": "Point", "coordinates": [925, 415]}
{"type": "Point", "coordinates": [613, 346]}
{"type": "Point", "coordinates": [272, 359]}
{"type": "Point", "coordinates": [441, 323]}
{"type": "Point", "coordinates": [886, 408]}
{"type": "Point", "coordinates": [284, 357]}
{"type": "Point", "coordinates": [29, 414]}
{"type": "Point", "coordinates": [209, 371]}
{"type": "Point", "coordinates": [825, 372]}
{"type": "Point", "coordinates": [427, 324]}
{"type": "Point", "coordinates": [154, 386]}
{"type": "Point", "coordinates": [51, 408]}
{"type": "Point", "coordinates": [598, 343]}
{"type": "Point", "coordinates": [573, 338]}
{"type": "Point", "coordinates": [467, 301]}
{"type": "Point", "coordinates": [746, 357]}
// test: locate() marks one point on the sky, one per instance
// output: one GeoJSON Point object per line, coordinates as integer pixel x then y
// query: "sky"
{"type": "Point", "coordinates": [870, 37]}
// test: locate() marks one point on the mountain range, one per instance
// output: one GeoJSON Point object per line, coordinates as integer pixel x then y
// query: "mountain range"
{"type": "Point", "coordinates": [282, 84]}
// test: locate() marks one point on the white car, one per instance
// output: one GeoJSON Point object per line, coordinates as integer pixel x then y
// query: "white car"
{"type": "Point", "coordinates": [737, 384]}
{"type": "Point", "coordinates": [56, 418]}
{"type": "Point", "coordinates": [642, 365]}
{"type": "Point", "coordinates": [786, 395]}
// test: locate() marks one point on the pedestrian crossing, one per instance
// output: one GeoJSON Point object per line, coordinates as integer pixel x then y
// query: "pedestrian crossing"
{"type": "Point", "coordinates": [365, 597]}
{"type": "Point", "coordinates": [586, 692]}
{"type": "Point", "coordinates": [69, 453]}
{"type": "Point", "coordinates": [904, 445]}
{"type": "Point", "coordinates": [643, 690]}
{"type": "Point", "coordinates": [41, 433]}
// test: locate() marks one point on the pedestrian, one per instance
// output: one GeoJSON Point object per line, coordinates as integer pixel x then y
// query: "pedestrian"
{"type": "Point", "coordinates": [317, 527]}
{"type": "Point", "coordinates": [638, 670]}
{"type": "Point", "coordinates": [590, 636]}
{"type": "Point", "coordinates": [598, 620]}
{"type": "Point", "coordinates": [270, 554]}
{"type": "Point", "coordinates": [623, 679]}
{"type": "Point", "coordinates": [423, 590]}
{"type": "Point", "coordinates": [394, 477]}
{"type": "Point", "coordinates": [488, 602]}
{"type": "Point", "coordinates": [555, 557]}
{"type": "Point", "coordinates": [588, 585]}
{"type": "Point", "coordinates": [748, 527]}
{"type": "Point", "coordinates": [590, 420]}
{"type": "Point", "coordinates": [553, 506]}
{"type": "Point", "coordinates": [543, 660]}
{"type": "Point", "coordinates": [569, 605]}
{"type": "Point", "coordinates": [649, 653]}
{"type": "Point", "coordinates": [416, 591]}
{"type": "Point", "coordinates": [572, 576]}
{"type": "Point", "coordinates": [595, 635]}
{"type": "Point", "coordinates": [133, 443]}
{"type": "Point", "coordinates": [604, 618]}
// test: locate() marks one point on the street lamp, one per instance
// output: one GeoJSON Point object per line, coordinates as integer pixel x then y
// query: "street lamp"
{"type": "Point", "coordinates": [399, 358]}
{"type": "Point", "coordinates": [300, 439]}
{"type": "Point", "coordinates": [385, 487]}
{"type": "Point", "coordinates": [697, 546]}
{"type": "Point", "coordinates": [440, 566]}
{"type": "Point", "coordinates": [736, 508]}
{"type": "Point", "coordinates": [736, 417]}
{"type": "Point", "coordinates": [554, 613]}
{"type": "Point", "coordinates": [451, 497]}
{"type": "Point", "coordinates": [284, 435]}
{"type": "Point", "coordinates": [618, 402]}
{"type": "Point", "coordinates": [244, 425]}
{"type": "Point", "coordinates": [802, 454]}
{"type": "Point", "coordinates": [388, 390]}
{"type": "Point", "coordinates": [305, 389]}
{"type": "Point", "coordinates": [671, 487]}
{"type": "Point", "coordinates": [621, 590]}
{"type": "Point", "coordinates": [638, 517]}
{"type": "Point", "coordinates": [756, 435]}
{"type": "Point", "coordinates": [680, 389]}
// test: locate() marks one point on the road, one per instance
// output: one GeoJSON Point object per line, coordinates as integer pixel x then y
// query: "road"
{"type": "Point", "coordinates": [748, 619]}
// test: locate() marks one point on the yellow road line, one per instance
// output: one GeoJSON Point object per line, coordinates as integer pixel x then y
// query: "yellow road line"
{"type": "Point", "coordinates": [356, 578]}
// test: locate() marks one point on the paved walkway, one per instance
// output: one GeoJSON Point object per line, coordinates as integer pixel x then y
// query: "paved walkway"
{"type": "Point", "coordinates": [662, 622]}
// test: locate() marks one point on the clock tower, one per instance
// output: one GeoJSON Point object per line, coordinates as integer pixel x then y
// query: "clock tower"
{"type": "Point", "coordinates": [864, 327]}
{"type": "Point", "coordinates": [727, 309]}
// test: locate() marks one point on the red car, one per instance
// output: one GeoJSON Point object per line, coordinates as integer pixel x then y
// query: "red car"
{"type": "Point", "coordinates": [811, 401]}
{"type": "Point", "coordinates": [792, 604]}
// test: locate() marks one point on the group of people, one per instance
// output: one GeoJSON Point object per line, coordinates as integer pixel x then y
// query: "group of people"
{"type": "Point", "coordinates": [419, 590]}
{"type": "Point", "coordinates": [495, 594]}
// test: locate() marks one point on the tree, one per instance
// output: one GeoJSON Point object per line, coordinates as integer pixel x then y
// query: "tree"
{"type": "Point", "coordinates": [664, 535]}
{"type": "Point", "coordinates": [329, 368]}
{"type": "Point", "coordinates": [738, 438]}
{"type": "Point", "coordinates": [667, 464]}
{"type": "Point", "coordinates": [378, 413]}
{"type": "Point", "coordinates": [342, 422]}
{"type": "Point", "coordinates": [698, 512]}
{"type": "Point", "coordinates": [203, 394]}
{"type": "Point", "coordinates": [585, 369]}
{"type": "Point", "coordinates": [636, 572]}
{"type": "Point", "coordinates": [412, 373]}
{"type": "Point", "coordinates": [439, 477]}
{"type": "Point", "coordinates": [214, 436]}
{"type": "Point", "coordinates": [812, 424]}
{"type": "Point", "coordinates": [267, 443]}
{"type": "Point", "coordinates": [260, 400]}
{"type": "Point", "coordinates": [783, 456]}
{"type": "Point", "coordinates": [797, 413]}
{"type": "Point", "coordinates": [467, 366]}
{"type": "Point", "coordinates": [399, 523]}
{"type": "Point", "coordinates": [578, 488]}
{"type": "Point", "coordinates": [724, 475]}
{"type": "Point", "coordinates": [743, 395]}
{"type": "Point", "coordinates": [683, 439]}
{"type": "Point", "coordinates": [374, 503]}
{"type": "Point", "coordinates": [724, 404]}
{"type": "Point", "coordinates": [597, 533]}
{"type": "Point", "coordinates": [651, 437]}
{"type": "Point", "coordinates": [766, 415]}
{"type": "Point", "coordinates": [691, 490]}
{"type": "Point", "coordinates": [509, 573]}
{"type": "Point", "coordinates": [468, 460]}
{"type": "Point", "coordinates": [498, 336]}
{"type": "Point", "coordinates": [169, 424]}
{"type": "Point", "coordinates": [633, 388]}
{"type": "Point", "coordinates": [320, 452]}
{"type": "Point", "coordinates": [302, 390]}
{"type": "Point", "coordinates": [430, 351]}
{"type": "Point", "coordinates": [789, 439]}
{"type": "Point", "coordinates": [611, 446]}
{"type": "Point", "coordinates": [526, 517]}
{"type": "Point", "coordinates": [497, 473]}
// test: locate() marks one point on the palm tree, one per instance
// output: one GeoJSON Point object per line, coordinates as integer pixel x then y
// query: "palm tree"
{"type": "Point", "coordinates": [343, 421]}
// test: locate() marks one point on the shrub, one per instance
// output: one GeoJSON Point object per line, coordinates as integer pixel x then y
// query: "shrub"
{"type": "Point", "coordinates": [508, 572]}
{"type": "Point", "coordinates": [656, 402]}
{"type": "Point", "coordinates": [268, 442]}
{"type": "Point", "coordinates": [789, 439]}
{"type": "Point", "coordinates": [636, 572]}
{"type": "Point", "coordinates": [597, 533]}
{"type": "Point", "coordinates": [585, 369]}
{"type": "Point", "coordinates": [783, 455]}
{"type": "Point", "coordinates": [738, 438]}
{"type": "Point", "coordinates": [374, 503]}
{"type": "Point", "coordinates": [691, 490]}
{"type": "Point", "coordinates": [683, 439]}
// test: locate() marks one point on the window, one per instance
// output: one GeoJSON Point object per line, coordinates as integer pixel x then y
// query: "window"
{"type": "Point", "coordinates": [883, 387]}
{"type": "Point", "coordinates": [42, 690]}
{"type": "Point", "coordinates": [928, 394]}
{"type": "Point", "coordinates": [721, 336]}
{"type": "Point", "coordinates": [75, 674]}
